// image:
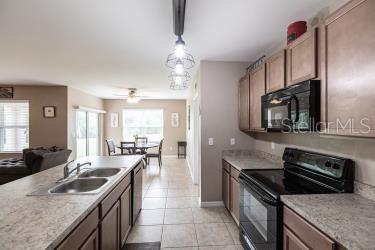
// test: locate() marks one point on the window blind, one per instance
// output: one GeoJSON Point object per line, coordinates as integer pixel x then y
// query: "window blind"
{"type": "Point", "coordinates": [14, 126]}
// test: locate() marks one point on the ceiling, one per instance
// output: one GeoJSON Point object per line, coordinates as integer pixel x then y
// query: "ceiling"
{"type": "Point", "coordinates": [106, 46]}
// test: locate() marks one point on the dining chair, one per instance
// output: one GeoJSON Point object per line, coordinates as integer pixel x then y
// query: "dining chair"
{"type": "Point", "coordinates": [138, 141]}
{"type": "Point", "coordinates": [130, 147]}
{"type": "Point", "coordinates": [156, 155]}
{"type": "Point", "coordinates": [111, 147]}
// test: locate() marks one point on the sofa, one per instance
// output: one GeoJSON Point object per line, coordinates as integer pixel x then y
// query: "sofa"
{"type": "Point", "coordinates": [33, 161]}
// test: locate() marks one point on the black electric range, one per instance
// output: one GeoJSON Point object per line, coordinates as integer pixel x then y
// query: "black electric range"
{"type": "Point", "coordinates": [303, 173]}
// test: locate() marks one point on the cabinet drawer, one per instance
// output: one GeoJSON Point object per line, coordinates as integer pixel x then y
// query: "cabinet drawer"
{"type": "Point", "coordinates": [113, 196]}
{"type": "Point", "coordinates": [308, 234]}
{"type": "Point", "coordinates": [79, 235]}
{"type": "Point", "coordinates": [226, 166]}
{"type": "Point", "coordinates": [234, 173]}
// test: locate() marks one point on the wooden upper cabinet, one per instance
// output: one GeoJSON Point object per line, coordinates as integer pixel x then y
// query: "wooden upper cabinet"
{"type": "Point", "coordinates": [244, 103]}
{"type": "Point", "coordinates": [257, 89]}
{"type": "Point", "coordinates": [348, 75]}
{"type": "Point", "coordinates": [301, 59]}
{"type": "Point", "coordinates": [275, 68]}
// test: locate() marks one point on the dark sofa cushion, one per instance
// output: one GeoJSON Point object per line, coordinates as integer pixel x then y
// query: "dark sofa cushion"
{"type": "Point", "coordinates": [13, 167]}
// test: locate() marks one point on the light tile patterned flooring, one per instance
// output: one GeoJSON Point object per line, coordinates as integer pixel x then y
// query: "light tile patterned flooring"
{"type": "Point", "coordinates": [171, 212]}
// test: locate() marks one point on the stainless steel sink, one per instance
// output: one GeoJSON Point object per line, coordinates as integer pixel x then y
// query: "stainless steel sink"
{"type": "Point", "coordinates": [100, 172]}
{"type": "Point", "coordinates": [80, 185]}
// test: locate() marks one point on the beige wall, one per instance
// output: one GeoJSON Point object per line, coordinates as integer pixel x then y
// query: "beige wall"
{"type": "Point", "coordinates": [171, 135]}
{"type": "Point", "coordinates": [219, 109]}
{"type": "Point", "coordinates": [44, 131]}
{"type": "Point", "coordinates": [359, 150]}
{"type": "Point", "coordinates": [79, 98]}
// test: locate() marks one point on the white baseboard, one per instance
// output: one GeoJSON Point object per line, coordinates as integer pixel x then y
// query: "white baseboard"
{"type": "Point", "coordinates": [211, 203]}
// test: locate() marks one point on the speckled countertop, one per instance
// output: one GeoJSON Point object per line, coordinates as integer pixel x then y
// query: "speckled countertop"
{"type": "Point", "coordinates": [349, 219]}
{"type": "Point", "coordinates": [247, 159]}
{"type": "Point", "coordinates": [41, 222]}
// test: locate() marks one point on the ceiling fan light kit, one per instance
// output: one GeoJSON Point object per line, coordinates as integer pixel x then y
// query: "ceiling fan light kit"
{"type": "Point", "coordinates": [179, 60]}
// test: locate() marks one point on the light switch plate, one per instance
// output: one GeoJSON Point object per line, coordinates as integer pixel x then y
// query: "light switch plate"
{"type": "Point", "coordinates": [210, 141]}
{"type": "Point", "coordinates": [232, 141]}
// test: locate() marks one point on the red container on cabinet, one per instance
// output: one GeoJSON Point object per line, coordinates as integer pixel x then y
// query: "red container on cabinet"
{"type": "Point", "coordinates": [295, 30]}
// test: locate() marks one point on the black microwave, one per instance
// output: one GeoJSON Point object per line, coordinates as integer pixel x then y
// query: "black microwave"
{"type": "Point", "coordinates": [292, 109]}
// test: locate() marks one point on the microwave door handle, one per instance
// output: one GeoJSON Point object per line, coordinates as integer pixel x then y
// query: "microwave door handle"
{"type": "Point", "coordinates": [293, 97]}
{"type": "Point", "coordinates": [297, 108]}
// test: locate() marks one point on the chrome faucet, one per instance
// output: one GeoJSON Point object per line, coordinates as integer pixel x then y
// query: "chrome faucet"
{"type": "Point", "coordinates": [67, 172]}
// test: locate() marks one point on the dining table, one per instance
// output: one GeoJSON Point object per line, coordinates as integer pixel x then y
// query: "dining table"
{"type": "Point", "coordinates": [142, 146]}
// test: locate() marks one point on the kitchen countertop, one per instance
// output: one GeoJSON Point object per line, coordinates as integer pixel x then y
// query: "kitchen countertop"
{"type": "Point", "coordinates": [247, 159]}
{"type": "Point", "coordinates": [349, 219]}
{"type": "Point", "coordinates": [42, 222]}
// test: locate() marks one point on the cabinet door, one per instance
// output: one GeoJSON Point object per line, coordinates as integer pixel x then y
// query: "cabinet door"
{"type": "Point", "coordinates": [257, 89]}
{"type": "Point", "coordinates": [244, 103]}
{"type": "Point", "coordinates": [301, 58]}
{"type": "Point", "coordinates": [275, 68]}
{"type": "Point", "coordinates": [226, 188]}
{"type": "Point", "coordinates": [82, 236]}
{"type": "Point", "coordinates": [92, 243]}
{"type": "Point", "coordinates": [291, 241]}
{"type": "Point", "coordinates": [110, 229]}
{"type": "Point", "coordinates": [348, 76]}
{"type": "Point", "coordinates": [235, 199]}
{"type": "Point", "coordinates": [125, 214]}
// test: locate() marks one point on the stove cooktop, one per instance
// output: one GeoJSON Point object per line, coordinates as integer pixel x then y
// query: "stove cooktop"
{"type": "Point", "coordinates": [278, 182]}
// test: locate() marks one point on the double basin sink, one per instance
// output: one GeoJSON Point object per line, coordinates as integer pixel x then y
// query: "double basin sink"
{"type": "Point", "coordinates": [90, 181]}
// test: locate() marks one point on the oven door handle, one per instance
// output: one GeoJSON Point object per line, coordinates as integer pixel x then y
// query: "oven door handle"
{"type": "Point", "coordinates": [259, 195]}
{"type": "Point", "coordinates": [293, 97]}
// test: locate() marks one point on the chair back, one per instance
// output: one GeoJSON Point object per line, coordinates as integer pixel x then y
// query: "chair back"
{"type": "Point", "coordinates": [161, 146]}
{"type": "Point", "coordinates": [141, 140]}
{"type": "Point", "coordinates": [130, 146]}
{"type": "Point", "coordinates": [111, 146]}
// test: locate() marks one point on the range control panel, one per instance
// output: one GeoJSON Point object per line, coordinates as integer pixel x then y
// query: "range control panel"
{"type": "Point", "coordinates": [328, 165]}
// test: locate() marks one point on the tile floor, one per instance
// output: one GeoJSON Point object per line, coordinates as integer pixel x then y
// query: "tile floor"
{"type": "Point", "coordinates": [171, 213]}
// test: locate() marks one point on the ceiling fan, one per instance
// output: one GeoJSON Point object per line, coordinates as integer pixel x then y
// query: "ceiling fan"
{"type": "Point", "coordinates": [132, 96]}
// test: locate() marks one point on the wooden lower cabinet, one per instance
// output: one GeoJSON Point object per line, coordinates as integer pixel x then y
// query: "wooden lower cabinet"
{"type": "Point", "coordinates": [110, 229]}
{"type": "Point", "coordinates": [235, 199]}
{"type": "Point", "coordinates": [292, 242]}
{"type": "Point", "coordinates": [226, 189]}
{"type": "Point", "coordinates": [126, 223]}
{"type": "Point", "coordinates": [81, 236]}
{"type": "Point", "coordinates": [231, 190]}
{"type": "Point", "coordinates": [92, 243]}
{"type": "Point", "coordinates": [300, 234]}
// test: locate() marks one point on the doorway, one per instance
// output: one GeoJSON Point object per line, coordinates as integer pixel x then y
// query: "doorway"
{"type": "Point", "coordinates": [88, 134]}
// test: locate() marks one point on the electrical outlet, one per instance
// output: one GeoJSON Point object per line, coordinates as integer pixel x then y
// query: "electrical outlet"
{"type": "Point", "coordinates": [210, 141]}
{"type": "Point", "coordinates": [273, 146]}
{"type": "Point", "coordinates": [170, 148]}
{"type": "Point", "coordinates": [232, 141]}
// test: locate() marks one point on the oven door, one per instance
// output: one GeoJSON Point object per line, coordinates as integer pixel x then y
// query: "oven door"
{"type": "Point", "coordinates": [259, 228]}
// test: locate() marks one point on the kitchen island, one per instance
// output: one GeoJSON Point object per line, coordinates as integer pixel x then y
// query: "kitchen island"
{"type": "Point", "coordinates": [43, 222]}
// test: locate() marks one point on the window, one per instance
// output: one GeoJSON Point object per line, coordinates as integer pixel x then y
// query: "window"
{"type": "Point", "coordinates": [88, 139]}
{"type": "Point", "coordinates": [14, 126]}
{"type": "Point", "coordinates": [144, 123]}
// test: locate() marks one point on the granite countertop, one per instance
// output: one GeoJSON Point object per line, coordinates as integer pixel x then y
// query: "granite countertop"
{"type": "Point", "coordinates": [349, 219]}
{"type": "Point", "coordinates": [247, 159]}
{"type": "Point", "coordinates": [42, 222]}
